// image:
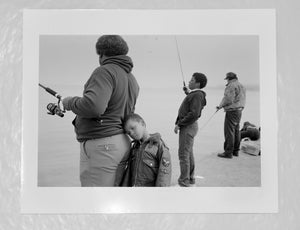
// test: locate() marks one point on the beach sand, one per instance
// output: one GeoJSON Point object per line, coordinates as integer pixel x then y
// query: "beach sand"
{"type": "Point", "coordinates": [58, 150]}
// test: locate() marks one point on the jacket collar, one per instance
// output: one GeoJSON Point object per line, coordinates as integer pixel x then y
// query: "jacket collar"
{"type": "Point", "coordinates": [123, 61]}
{"type": "Point", "coordinates": [154, 138]}
{"type": "Point", "coordinates": [194, 90]}
{"type": "Point", "coordinates": [230, 81]}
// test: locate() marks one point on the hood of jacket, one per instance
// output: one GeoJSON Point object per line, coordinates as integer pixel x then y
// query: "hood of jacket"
{"type": "Point", "coordinates": [230, 81]}
{"type": "Point", "coordinates": [203, 96]}
{"type": "Point", "coordinates": [153, 139]}
{"type": "Point", "coordinates": [123, 61]}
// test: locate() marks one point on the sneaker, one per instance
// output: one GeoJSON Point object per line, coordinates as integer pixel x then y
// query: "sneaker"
{"type": "Point", "coordinates": [225, 155]}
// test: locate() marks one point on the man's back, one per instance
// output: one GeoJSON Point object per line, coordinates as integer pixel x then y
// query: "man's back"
{"type": "Point", "coordinates": [234, 96]}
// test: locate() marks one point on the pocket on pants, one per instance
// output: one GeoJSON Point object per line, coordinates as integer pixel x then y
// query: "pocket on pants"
{"type": "Point", "coordinates": [193, 130]}
{"type": "Point", "coordinates": [107, 147]}
{"type": "Point", "coordinates": [108, 155]}
{"type": "Point", "coordinates": [83, 153]}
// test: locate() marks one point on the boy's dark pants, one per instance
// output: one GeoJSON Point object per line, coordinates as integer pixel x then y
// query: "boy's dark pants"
{"type": "Point", "coordinates": [185, 153]}
{"type": "Point", "coordinates": [232, 132]}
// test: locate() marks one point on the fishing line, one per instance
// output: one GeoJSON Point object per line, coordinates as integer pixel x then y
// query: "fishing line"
{"type": "Point", "coordinates": [178, 54]}
{"type": "Point", "coordinates": [184, 83]}
{"type": "Point", "coordinates": [202, 127]}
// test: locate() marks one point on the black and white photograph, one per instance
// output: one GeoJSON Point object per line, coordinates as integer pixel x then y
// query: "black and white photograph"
{"type": "Point", "coordinates": [226, 74]}
{"type": "Point", "coordinates": [177, 110]}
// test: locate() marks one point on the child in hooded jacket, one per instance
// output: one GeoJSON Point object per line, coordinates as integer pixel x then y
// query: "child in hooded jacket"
{"type": "Point", "coordinates": [149, 161]}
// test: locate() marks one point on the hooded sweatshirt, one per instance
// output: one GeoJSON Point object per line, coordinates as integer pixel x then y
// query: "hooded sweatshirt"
{"type": "Point", "coordinates": [109, 95]}
{"type": "Point", "coordinates": [191, 108]}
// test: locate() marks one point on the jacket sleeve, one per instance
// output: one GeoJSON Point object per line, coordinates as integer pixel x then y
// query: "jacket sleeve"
{"type": "Point", "coordinates": [229, 95]}
{"type": "Point", "coordinates": [194, 112]}
{"type": "Point", "coordinates": [165, 167]}
{"type": "Point", "coordinates": [95, 97]}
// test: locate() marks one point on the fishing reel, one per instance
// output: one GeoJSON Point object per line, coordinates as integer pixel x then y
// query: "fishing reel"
{"type": "Point", "coordinates": [54, 109]}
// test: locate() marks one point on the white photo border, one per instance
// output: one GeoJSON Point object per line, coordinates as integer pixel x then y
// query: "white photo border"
{"type": "Point", "coordinates": [260, 22]}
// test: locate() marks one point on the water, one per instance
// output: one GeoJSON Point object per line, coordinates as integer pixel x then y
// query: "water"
{"type": "Point", "coordinates": [58, 150]}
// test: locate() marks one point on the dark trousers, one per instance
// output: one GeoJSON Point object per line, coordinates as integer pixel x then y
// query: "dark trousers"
{"type": "Point", "coordinates": [186, 155]}
{"type": "Point", "coordinates": [232, 132]}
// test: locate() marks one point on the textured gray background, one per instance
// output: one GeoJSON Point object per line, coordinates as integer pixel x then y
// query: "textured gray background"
{"type": "Point", "coordinates": [288, 18]}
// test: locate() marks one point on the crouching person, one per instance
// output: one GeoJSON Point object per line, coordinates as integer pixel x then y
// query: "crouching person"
{"type": "Point", "coordinates": [251, 131]}
{"type": "Point", "coordinates": [149, 161]}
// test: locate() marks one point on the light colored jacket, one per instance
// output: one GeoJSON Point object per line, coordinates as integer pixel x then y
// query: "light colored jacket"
{"type": "Point", "coordinates": [234, 96]}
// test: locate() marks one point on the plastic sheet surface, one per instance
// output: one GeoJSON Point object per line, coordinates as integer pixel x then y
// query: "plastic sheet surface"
{"type": "Point", "coordinates": [11, 131]}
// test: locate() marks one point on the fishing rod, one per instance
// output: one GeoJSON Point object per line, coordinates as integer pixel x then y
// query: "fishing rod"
{"type": "Point", "coordinates": [51, 91]}
{"type": "Point", "coordinates": [209, 119]}
{"type": "Point", "coordinates": [185, 85]}
{"type": "Point", "coordinates": [178, 54]}
{"type": "Point", "coordinates": [54, 109]}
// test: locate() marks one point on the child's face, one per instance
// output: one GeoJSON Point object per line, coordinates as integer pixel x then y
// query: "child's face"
{"type": "Point", "coordinates": [193, 84]}
{"type": "Point", "coordinates": [135, 129]}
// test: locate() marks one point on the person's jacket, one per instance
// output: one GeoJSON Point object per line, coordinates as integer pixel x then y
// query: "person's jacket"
{"type": "Point", "coordinates": [148, 165]}
{"type": "Point", "coordinates": [234, 96]}
{"type": "Point", "coordinates": [191, 108]}
{"type": "Point", "coordinates": [109, 95]}
{"type": "Point", "coordinates": [250, 130]}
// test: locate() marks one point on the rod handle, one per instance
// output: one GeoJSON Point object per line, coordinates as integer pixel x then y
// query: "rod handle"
{"type": "Point", "coordinates": [51, 91]}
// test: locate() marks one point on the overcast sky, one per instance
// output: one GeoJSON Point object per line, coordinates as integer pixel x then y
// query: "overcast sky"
{"type": "Point", "coordinates": [69, 59]}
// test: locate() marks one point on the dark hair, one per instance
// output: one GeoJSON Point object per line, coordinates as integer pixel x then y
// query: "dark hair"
{"type": "Point", "coordinates": [200, 78]}
{"type": "Point", "coordinates": [111, 45]}
{"type": "Point", "coordinates": [134, 117]}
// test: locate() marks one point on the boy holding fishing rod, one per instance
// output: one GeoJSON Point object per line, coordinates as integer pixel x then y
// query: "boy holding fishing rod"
{"type": "Point", "coordinates": [187, 126]}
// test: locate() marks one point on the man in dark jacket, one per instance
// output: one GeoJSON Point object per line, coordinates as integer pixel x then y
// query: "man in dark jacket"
{"type": "Point", "coordinates": [109, 95]}
{"type": "Point", "coordinates": [187, 125]}
{"type": "Point", "coordinates": [233, 103]}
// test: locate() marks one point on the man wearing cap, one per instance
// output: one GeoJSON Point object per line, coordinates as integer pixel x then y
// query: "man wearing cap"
{"type": "Point", "coordinates": [233, 103]}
